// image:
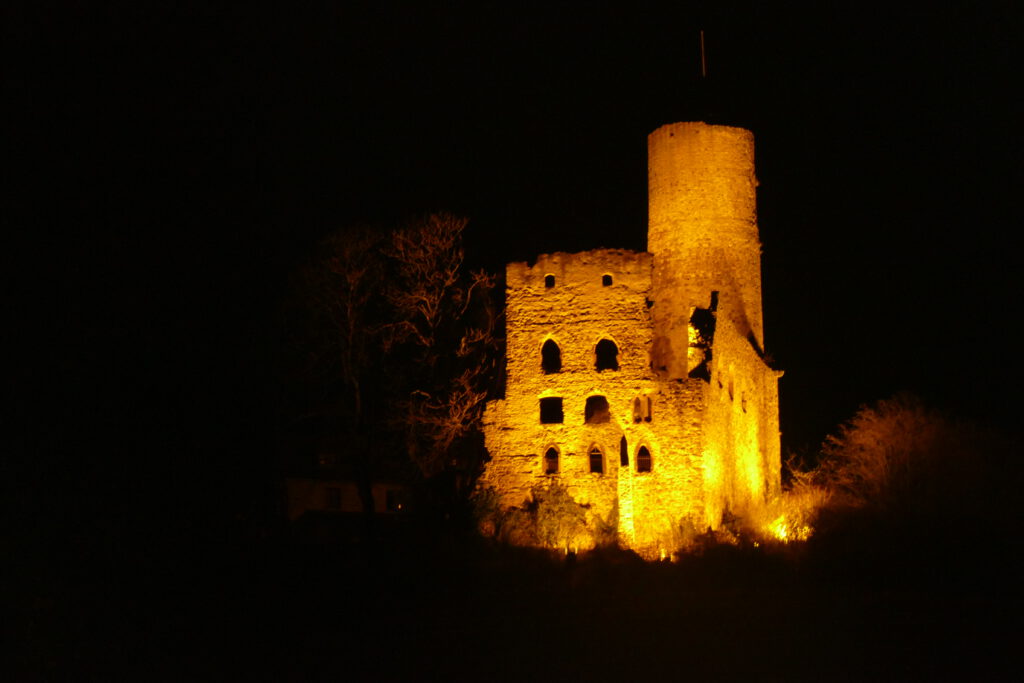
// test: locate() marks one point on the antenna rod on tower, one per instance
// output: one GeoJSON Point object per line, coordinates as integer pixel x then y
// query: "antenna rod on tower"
{"type": "Point", "coordinates": [703, 57]}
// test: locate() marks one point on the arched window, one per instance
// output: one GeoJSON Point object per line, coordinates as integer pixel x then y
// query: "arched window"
{"type": "Point", "coordinates": [623, 453]}
{"type": "Point", "coordinates": [607, 355]}
{"type": "Point", "coordinates": [551, 461]}
{"type": "Point", "coordinates": [606, 280]}
{"type": "Point", "coordinates": [642, 409]}
{"type": "Point", "coordinates": [643, 460]}
{"type": "Point", "coordinates": [596, 410]}
{"type": "Point", "coordinates": [549, 281]}
{"type": "Point", "coordinates": [551, 411]}
{"type": "Point", "coordinates": [596, 460]}
{"type": "Point", "coordinates": [550, 357]}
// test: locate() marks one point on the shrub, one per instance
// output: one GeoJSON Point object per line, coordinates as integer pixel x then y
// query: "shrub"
{"type": "Point", "coordinates": [551, 518]}
{"type": "Point", "coordinates": [792, 515]}
{"type": "Point", "coordinates": [915, 470]}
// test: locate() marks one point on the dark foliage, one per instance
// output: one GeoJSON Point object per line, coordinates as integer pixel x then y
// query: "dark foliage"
{"type": "Point", "coordinates": [391, 356]}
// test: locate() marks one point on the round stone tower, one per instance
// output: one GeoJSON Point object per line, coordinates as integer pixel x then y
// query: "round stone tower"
{"type": "Point", "coordinates": [702, 231]}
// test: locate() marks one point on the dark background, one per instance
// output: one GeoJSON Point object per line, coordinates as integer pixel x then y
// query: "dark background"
{"type": "Point", "coordinates": [169, 164]}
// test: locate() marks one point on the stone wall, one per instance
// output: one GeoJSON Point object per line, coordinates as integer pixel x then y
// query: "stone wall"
{"type": "Point", "coordinates": [577, 312]}
{"type": "Point", "coordinates": [741, 448]}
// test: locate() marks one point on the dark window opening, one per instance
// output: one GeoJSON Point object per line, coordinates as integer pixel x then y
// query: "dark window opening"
{"type": "Point", "coordinates": [551, 411]}
{"type": "Point", "coordinates": [550, 357]}
{"type": "Point", "coordinates": [607, 354]}
{"type": "Point", "coordinates": [623, 453]}
{"type": "Point", "coordinates": [551, 461]}
{"type": "Point", "coordinates": [549, 281]}
{"type": "Point", "coordinates": [642, 409]}
{"type": "Point", "coordinates": [596, 410]}
{"type": "Point", "coordinates": [596, 460]}
{"type": "Point", "coordinates": [606, 280]}
{"type": "Point", "coordinates": [643, 460]}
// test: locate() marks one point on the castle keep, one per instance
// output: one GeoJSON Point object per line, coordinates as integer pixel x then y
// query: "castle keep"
{"type": "Point", "coordinates": [637, 381]}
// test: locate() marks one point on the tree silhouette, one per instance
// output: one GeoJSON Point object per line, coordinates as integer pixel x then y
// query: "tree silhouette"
{"type": "Point", "coordinates": [395, 343]}
{"type": "Point", "coordinates": [333, 377]}
{"type": "Point", "coordinates": [442, 334]}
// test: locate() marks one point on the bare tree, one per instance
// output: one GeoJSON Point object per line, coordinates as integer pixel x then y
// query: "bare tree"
{"type": "Point", "coordinates": [398, 341]}
{"type": "Point", "coordinates": [445, 319]}
{"type": "Point", "coordinates": [336, 337]}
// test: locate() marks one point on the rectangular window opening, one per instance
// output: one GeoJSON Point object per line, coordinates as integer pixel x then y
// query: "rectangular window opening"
{"type": "Point", "coordinates": [551, 411]}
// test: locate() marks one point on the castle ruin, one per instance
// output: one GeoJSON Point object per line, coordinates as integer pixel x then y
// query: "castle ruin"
{"type": "Point", "coordinates": [637, 382]}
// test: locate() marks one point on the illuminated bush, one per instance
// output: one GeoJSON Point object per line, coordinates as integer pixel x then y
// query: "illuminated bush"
{"type": "Point", "coordinates": [551, 518]}
{"type": "Point", "coordinates": [792, 515]}
{"type": "Point", "coordinates": [898, 456]}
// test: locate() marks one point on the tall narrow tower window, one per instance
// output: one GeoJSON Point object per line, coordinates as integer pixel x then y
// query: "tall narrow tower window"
{"type": "Point", "coordinates": [551, 461]}
{"type": "Point", "coordinates": [596, 411]}
{"type": "Point", "coordinates": [606, 355]}
{"type": "Point", "coordinates": [549, 281]}
{"type": "Point", "coordinates": [623, 453]}
{"type": "Point", "coordinates": [596, 460]}
{"type": "Point", "coordinates": [642, 409]}
{"type": "Point", "coordinates": [550, 357]}
{"type": "Point", "coordinates": [643, 460]}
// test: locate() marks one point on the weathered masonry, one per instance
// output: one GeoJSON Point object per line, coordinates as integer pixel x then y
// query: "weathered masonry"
{"type": "Point", "coordinates": [637, 381]}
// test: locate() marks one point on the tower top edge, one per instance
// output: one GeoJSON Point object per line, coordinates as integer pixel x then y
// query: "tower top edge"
{"type": "Point", "coordinates": [696, 127]}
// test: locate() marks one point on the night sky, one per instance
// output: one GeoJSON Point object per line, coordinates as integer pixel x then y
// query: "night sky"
{"type": "Point", "coordinates": [169, 164]}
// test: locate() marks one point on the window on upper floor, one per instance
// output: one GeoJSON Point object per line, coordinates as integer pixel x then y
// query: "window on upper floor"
{"type": "Point", "coordinates": [643, 460]}
{"type": "Point", "coordinates": [551, 411]}
{"type": "Point", "coordinates": [606, 280]}
{"type": "Point", "coordinates": [551, 461]}
{"type": "Point", "coordinates": [642, 409]}
{"type": "Point", "coordinates": [596, 410]}
{"type": "Point", "coordinates": [606, 355]}
{"type": "Point", "coordinates": [623, 453]}
{"type": "Point", "coordinates": [550, 357]}
{"type": "Point", "coordinates": [596, 460]}
{"type": "Point", "coordinates": [549, 281]}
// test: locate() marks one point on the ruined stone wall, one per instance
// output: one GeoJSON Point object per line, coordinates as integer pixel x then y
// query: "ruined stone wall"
{"type": "Point", "coordinates": [673, 492]}
{"type": "Point", "coordinates": [702, 231]}
{"type": "Point", "coordinates": [577, 312]}
{"type": "Point", "coordinates": [742, 460]}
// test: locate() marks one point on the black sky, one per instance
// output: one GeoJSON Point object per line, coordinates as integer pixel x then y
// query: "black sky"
{"type": "Point", "coordinates": [170, 163]}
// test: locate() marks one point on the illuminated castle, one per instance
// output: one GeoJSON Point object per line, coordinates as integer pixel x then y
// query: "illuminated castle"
{"type": "Point", "coordinates": [637, 382]}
